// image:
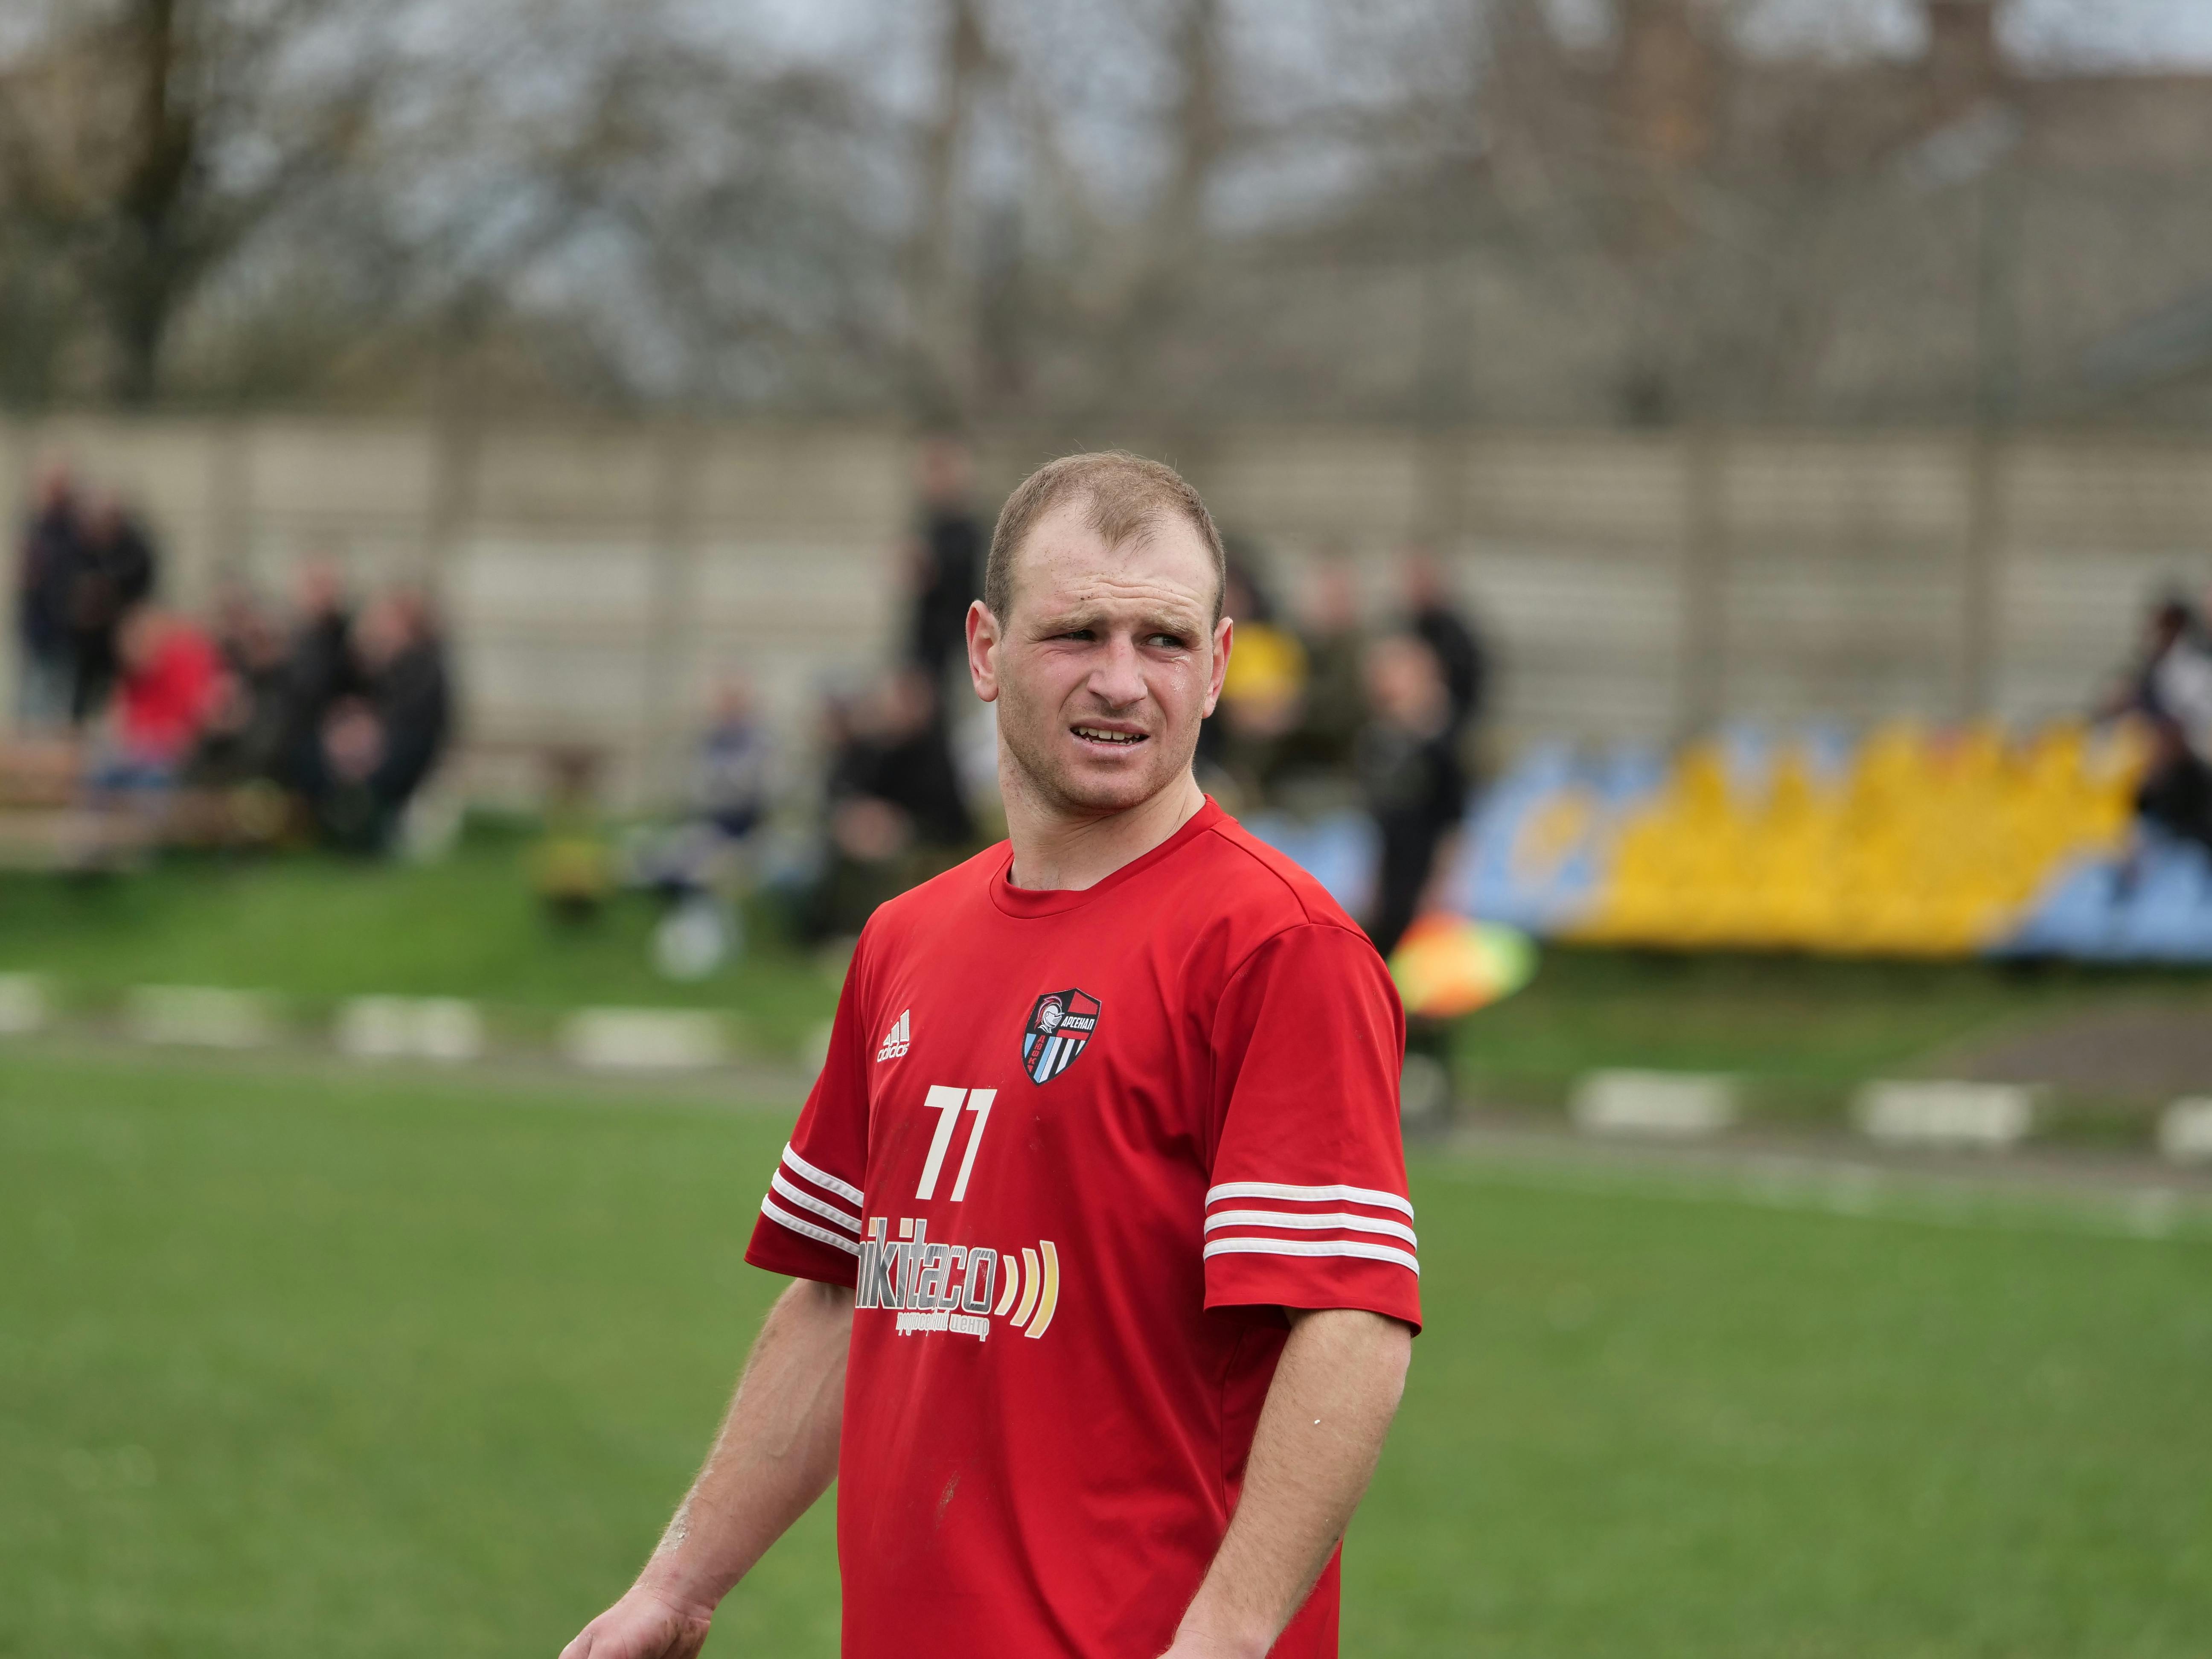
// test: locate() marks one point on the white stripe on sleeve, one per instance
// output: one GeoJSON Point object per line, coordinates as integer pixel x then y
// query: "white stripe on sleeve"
{"type": "Point", "coordinates": [1310, 1221]}
{"type": "Point", "coordinates": [775, 1212]}
{"type": "Point", "coordinates": [1308, 1194]}
{"type": "Point", "coordinates": [1312, 1247]}
{"type": "Point", "coordinates": [851, 1224]}
{"type": "Point", "coordinates": [823, 1179]}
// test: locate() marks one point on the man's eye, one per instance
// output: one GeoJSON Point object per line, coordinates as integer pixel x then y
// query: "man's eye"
{"type": "Point", "coordinates": [1168, 642]}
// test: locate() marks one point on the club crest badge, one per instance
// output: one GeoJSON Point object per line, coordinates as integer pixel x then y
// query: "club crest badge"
{"type": "Point", "coordinates": [1061, 1025]}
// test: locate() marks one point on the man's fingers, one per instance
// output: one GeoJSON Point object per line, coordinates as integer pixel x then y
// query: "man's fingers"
{"type": "Point", "coordinates": [584, 1642]}
{"type": "Point", "coordinates": [636, 1630]}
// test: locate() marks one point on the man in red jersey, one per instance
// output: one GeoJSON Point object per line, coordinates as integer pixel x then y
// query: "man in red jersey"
{"type": "Point", "coordinates": [1106, 1275]}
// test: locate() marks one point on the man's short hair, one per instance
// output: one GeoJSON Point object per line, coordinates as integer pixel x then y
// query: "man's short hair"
{"type": "Point", "coordinates": [1127, 494]}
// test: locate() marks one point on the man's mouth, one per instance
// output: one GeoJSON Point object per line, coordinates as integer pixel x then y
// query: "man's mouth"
{"type": "Point", "coordinates": [1107, 737]}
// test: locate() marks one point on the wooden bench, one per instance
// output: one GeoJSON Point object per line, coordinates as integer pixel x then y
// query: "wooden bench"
{"type": "Point", "coordinates": [47, 823]}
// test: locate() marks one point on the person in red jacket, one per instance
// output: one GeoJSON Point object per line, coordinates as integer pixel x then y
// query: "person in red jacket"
{"type": "Point", "coordinates": [1106, 1279]}
{"type": "Point", "coordinates": [170, 682]}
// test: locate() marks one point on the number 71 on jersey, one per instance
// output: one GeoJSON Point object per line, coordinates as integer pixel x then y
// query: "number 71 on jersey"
{"type": "Point", "coordinates": [947, 1102]}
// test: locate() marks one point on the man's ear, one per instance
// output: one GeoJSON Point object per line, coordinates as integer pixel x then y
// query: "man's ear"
{"type": "Point", "coordinates": [1224, 636]}
{"type": "Point", "coordinates": [983, 635]}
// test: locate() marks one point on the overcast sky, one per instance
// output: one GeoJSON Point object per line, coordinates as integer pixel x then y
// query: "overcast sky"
{"type": "Point", "coordinates": [2114, 34]}
{"type": "Point", "coordinates": [2148, 34]}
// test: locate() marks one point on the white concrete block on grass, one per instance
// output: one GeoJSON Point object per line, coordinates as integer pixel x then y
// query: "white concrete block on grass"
{"type": "Point", "coordinates": [411, 1028]}
{"type": "Point", "coordinates": [1945, 1114]}
{"type": "Point", "coordinates": [202, 1016]}
{"type": "Point", "coordinates": [2184, 1130]}
{"type": "Point", "coordinates": [1676, 1104]}
{"type": "Point", "coordinates": [23, 1007]}
{"type": "Point", "coordinates": [644, 1039]}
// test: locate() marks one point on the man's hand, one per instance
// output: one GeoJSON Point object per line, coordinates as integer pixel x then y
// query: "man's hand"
{"type": "Point", "coordinates": [1188, 1646]}
{"type": "Point", "coordinates": [776, 1454]}
{"type": "Point", "coordinates": [1336, 1389]}
{"type": "Point", "coordinates": [643, 1625]}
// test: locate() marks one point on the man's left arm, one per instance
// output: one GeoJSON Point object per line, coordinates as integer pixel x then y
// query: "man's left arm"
{"type": "Point", "coordinates": [1335, 1390]}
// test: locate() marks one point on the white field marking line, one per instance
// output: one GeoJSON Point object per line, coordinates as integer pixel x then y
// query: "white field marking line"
{"type": "Point", "coordinates": [1850, 1190]}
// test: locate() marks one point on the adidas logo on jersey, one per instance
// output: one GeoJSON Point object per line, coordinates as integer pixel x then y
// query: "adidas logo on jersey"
{"type": "Point", "coordinates": [898, 1039]}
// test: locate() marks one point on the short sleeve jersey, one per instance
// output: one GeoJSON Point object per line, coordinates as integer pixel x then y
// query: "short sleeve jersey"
{"type": "Point", "coordinates": [1076, 1151]}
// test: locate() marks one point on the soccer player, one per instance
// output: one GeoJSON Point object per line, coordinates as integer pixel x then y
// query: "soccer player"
{"type": "Point", "coordinates": [1106, 1280]}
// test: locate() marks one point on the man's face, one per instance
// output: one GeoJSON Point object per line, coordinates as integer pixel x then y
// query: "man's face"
{"type": "Point", "coordinates": [1109, 660]}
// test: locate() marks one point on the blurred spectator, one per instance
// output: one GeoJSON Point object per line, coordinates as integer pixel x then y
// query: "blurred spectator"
{"type": "Point", "coordinates": [572, 865]}
{"type": "Point", "coordinates": [697, 866]}
{"type": "Point", "coordinates": [245, 737]}
{"type": "Point", "coordinates": [901, 758]}
{"type": "Point", "coordinates": [948, 558]}
{"type": "Point", "coordinates": [729, 801]}
{"type": "Point", "coordinates": [730, 783]}
{"type": "Point", "coordinates": [46, 561]}
{"type": "Point", "coordinates": [1433, 614]}
{"type": "Point", "coordinates": [897, 814]}
{"type": "Point", "coordinates": [2171, 689]}
{"type": "Point", "coordinates": [1410, 770]}
{"type": "Point", "coordinates": [1335, 703]}
{"type": "Point", "coordinates": [319, 670]}
{"type": "Point", "coordinates": [1263, 694]}
{"type": "Point", "coordinates": [402, 655]}
{"type": "Point", "coordinates": [379, 744]}
{"type": "Point", "coordinates": [169, 683]}
{"type": "Point", "coordinates": [113, 572]}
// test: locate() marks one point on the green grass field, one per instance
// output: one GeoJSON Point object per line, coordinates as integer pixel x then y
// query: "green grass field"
{"type": "Point", "coordinates": [335, 1365]}
{"type": "Point", "coordinates": [1801, 1031]}
{"type": "Point", "coordinates": [315, 928]}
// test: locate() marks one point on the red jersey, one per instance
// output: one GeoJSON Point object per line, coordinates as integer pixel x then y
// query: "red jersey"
{"type": "Point", "coordinates": [1075, 1151]}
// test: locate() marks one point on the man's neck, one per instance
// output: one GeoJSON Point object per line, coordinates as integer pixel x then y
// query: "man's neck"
{"type": "Point", "coordinates": [1055, 849]}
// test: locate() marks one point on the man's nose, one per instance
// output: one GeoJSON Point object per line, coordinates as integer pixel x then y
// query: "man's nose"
{"type": "Point", "coordinates": [1119, 679]}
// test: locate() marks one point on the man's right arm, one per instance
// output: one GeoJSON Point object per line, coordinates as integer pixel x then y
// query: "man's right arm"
{"type": "Point", "coordinates": [777, 1452]}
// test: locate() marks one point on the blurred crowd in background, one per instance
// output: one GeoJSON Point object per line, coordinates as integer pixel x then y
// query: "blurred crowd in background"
{"type": "Point", "coordinates": [319, 720]}
{"type": "Point", "coordinates": [1731, 278]}
{"type": "Point", "coordinates": [1325, 708]}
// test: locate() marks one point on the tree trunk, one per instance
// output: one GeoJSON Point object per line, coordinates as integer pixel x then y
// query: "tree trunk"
{"type": "Point", "coordinates": [941, 323]}
{"type": "Point", "coordinates": [146, 276]}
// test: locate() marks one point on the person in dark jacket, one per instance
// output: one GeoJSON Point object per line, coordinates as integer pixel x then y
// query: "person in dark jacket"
{"type": "Point", "coordinates": [1410, 771]}
{"type": "Point", "coordinates": [896, 813]}
{"type": "Point", "coordinates": [244, 740]}
{"type": "Point", "coordinates": [47, 562]}
{"type": "Point", "coordinates": [318, 671]}
{"type": "Point", "coordinates": [948, 559]}
{"type": "Point", "coordinates": [412, 691]}
{"type": "Point", "coordinates": [1434, 615]}
{"type": "Point", "coordinates": [112, 575]}
{"type": "Point", "coordinates": [381, 742]}
{"type": "Point", "coordinates": [2169, 690]}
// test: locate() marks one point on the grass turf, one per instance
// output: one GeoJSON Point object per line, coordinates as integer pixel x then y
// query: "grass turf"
{"type": "Point", "coordinates": [315, 929]}
{"type": "Point", "coordinates": [379, 1365]}
{"type": "Point", "coordinates": [1801, 1030]}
